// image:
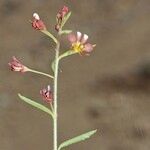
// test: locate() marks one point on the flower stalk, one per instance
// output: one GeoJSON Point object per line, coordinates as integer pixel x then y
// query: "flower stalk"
{"type": "Point", "coordinates": [50, 35]}
{"type": "Point", "coordinates": [55, 127]}
{"type": "Point", "coordinates": [41, 73]}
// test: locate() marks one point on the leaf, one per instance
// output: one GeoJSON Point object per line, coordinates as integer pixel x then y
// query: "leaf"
{"type": "Point", "coordinates": [77, 139]}
{"type": "Point", "coordinates": [36, 105]}
{"type": "Point", "coordinates": [67, 53]}
{"type": "Point", "coordinates": [65, 19]}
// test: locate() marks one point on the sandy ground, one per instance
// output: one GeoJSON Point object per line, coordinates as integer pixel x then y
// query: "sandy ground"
{"type": "Point", "coordinates": [108, 91]}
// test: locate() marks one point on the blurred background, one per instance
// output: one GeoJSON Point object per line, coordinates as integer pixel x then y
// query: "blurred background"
{"type": "Point", "coordinates": [108, 91]}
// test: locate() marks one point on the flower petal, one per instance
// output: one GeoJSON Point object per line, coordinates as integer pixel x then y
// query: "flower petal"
{"type": "Point", "coordinates": [49, 88]}
{"type": "Point", "coordinates": [84, 39]}
{"type": "Point", "coordinates": [88, 47]}
{"type": "Point", "coordinates": [72, 38]}
{"type": "Point", "coordinates": [79, 34]}
{"type": "Point", "coordinates": [36, 16]}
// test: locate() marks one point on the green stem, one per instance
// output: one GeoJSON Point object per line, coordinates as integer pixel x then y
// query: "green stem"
{"type": "Point", "coordinates": [67, 53]}
{"type": "Point", "coordinates": [50, 35]}
{"type": "Point", "coordinates": [52, 108]}
{"type": "Point", "coordinates": [55, 96]}
{"type": "Point", "coordinates": [41, 73]}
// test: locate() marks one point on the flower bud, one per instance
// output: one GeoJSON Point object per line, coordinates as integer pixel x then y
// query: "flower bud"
{"type": "Point", "coordinates": [46, 94]}
{"type": "Point", "coordinates": [16, 65]}
{"type": "Point", "coordinates": [37, 23]}
{"type": "Point", "coordinates": [60, 17]}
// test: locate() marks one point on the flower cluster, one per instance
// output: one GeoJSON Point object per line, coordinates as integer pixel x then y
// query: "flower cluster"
{"type": "Point", "coordinates": [78, 43]}
{"type": "Point", "coordinates": [60, 17]}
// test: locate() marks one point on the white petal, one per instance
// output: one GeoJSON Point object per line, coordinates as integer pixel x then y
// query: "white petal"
{"type": "Point", "coordinates": [85, 38]}
{"type": "Point", "coordinates": [48, 88]}
{"type": "Point", "coordinates": [36, 16]}
{"type": "Point", "coordinates": [79, 34]}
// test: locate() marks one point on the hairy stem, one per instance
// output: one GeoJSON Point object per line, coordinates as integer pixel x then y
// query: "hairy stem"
{"type": "Point", "coordinates": [67, 53]}
{"type": "Point", "coordinates": [50, 35]}
{"type": "Point", "coordinates": [55, 96]}
{"type": "Point", "coordinates": [41, 73]}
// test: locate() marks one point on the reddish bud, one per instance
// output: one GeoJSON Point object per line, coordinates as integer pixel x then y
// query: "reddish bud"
{"type": "Point", "coordinates": [47, 94]}
{"type": "Point", "coordinates": [64, 11]}
{"type": "Point", "coordinates": [57, 27]}
{"type": "Point", "coordinates": [60, 16]}
{"type": "Point", "coordinates": [37, 23]}
{"type": "Point", "coordinates": [16, 65]}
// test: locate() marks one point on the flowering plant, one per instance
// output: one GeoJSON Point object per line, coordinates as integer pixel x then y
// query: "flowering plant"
{"type": "Point", "coordinates": [79, 45]}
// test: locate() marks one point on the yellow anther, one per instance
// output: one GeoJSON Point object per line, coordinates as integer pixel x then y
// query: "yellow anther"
{"type": "Point", "coordinates": [78, 47]}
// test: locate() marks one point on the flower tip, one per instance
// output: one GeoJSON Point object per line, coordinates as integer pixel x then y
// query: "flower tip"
{"type": "Point", "coordinates": [36, 16]}
{"type": "Point", "coordinates": [46, 94]}
{"type": "Point", "coordinates": [85, 37]}
{"type": "Point", "coordinates": [79, 33]}
{"type": "Point", "coordinates": [65, 9]}
{"type": "Point", "coordinates": [49, 88]}
{"type": "Point", "coordinates": [94, 45]}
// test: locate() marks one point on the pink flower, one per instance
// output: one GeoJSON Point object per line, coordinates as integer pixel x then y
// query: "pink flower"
{"type": "Point", "coordinates": [16, 65]}
{"type": "Point", "coordinates": [60, 17]}
{"type": "Point", "coordinates": [37, 23]}
{"type": "Point", "coordinates": [47, 94]}
{"type": "Point", "coordinates": [79, 43]}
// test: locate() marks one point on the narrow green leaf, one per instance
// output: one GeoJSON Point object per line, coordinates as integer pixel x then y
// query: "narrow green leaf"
{"type": "Point", "coordinates": [36, 105]}
{"type": "Point", "coordinates": [67, 53]}
{"type": "Point", "coordinates": [77, 139]}
{"type": "Point", "coordinates": [65, 19]}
